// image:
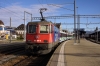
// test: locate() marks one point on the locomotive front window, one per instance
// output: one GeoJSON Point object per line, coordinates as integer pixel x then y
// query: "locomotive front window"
{"type": "Point", "coordinates": [44, 29]}
{"type": "Point", "coordinates": [32, 29]}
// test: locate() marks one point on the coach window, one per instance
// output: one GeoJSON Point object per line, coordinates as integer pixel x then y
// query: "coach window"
{"type": "Point", "coordinates": [32, 29]}
{"type": "Point", "coordinates": [44, 29]}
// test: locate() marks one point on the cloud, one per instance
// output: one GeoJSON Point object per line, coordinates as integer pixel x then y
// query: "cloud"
{"type": "Point", "coordinates": [16, 12]}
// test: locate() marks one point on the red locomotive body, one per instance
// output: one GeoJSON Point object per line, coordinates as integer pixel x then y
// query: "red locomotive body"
{"type": "Point", "coordinates": [40, 37]}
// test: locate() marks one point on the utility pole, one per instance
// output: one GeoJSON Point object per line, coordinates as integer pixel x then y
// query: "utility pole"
{"type": "Point", "coordinates": [74, 22]}
{"type": "Point", "coordinates": [97, 33]}
{"type": "Point", "coordinates": [10, 30]}
{"type": "Point", "coordinates": [24, 28]}
{"type": "Point", "coordinates": [78, 28]}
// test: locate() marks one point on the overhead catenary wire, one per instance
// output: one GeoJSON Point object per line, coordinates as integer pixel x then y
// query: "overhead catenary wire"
{"type": "Point", "coordinates": [60, 7]}
{"type": "Point", "coordinates": [10, 10]}
{"type": "Point", "coordinates": [81, 23]}
{"type": "Point", "coordinates": [14, 13]}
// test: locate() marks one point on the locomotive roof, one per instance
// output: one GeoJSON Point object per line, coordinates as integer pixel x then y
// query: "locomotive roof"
{"type": "Point", "coordinates": [40, 22]}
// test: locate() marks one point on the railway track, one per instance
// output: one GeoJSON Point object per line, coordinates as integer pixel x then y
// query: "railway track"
{"type": "Point", "coordinates": [10, 52]}
{"type": "Point", "coordinates": [19, 58]}
{"type": "Point", "coordinates": [35, 60]}
{"type": "Point", "coordinates": [27, 60]}
{"type": "Point", "coordinates": [10, 60]}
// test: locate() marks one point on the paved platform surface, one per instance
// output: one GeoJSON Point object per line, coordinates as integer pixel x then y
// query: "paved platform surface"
{"type": "Point", "coordinates": [85, 53]}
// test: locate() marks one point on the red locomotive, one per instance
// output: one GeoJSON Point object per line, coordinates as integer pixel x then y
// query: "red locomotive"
{"type": "Point", "coordinates": [41, 36]}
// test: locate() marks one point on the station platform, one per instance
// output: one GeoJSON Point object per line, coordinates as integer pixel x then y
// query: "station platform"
{"type": "Point", "coordinates": [68, 53]}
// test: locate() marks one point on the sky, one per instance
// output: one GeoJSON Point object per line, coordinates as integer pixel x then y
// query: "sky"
{"type": "Point", "coordinates": [15, 9]}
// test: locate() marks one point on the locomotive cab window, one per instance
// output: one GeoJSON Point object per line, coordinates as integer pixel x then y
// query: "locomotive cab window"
{"type": "Point", "coordinates": [44, 29]}
{"type": "Point", "coordinates": [32, 29]}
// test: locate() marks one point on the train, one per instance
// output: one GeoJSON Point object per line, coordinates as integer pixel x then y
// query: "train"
{"type": "Point", "coordinates": [94, 36]}
{"type": "Point", "coordinates": [42, 36]}
{"type": "Point", "coordinates": [63, 36]}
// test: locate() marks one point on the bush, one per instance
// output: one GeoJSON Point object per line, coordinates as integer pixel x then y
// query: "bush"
{"type": "Point", "coordinates": [20, 37]}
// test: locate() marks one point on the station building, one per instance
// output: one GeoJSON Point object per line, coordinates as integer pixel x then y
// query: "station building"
{"type": "Point", "coordinates": [5, 32]}
{"type": "Point", "coordinates": [1, 27]}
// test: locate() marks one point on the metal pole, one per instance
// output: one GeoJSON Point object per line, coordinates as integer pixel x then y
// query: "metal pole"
{"type": "Point", "coordinates": [77, 26]}
{"type": "Point", "coordinates": [24, 28]}
{"type": "Point", "coordinates": [31, 17]}
{"type": "Point", "coordinates": [97, 34]}
{"type": "Point", "coordinates": [10, 30]}
{"type": "Point", "coordinates": [74, 21]}
{"type": "Point", "coordinates": [79, 29]}
{"type": "Point", "coordinates": [25, 23]}
{"type": "Point", "coordinates": [77, 23]}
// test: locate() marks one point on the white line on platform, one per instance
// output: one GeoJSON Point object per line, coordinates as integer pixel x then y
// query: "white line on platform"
{"type": "Point", "coordinates": [61, 56]}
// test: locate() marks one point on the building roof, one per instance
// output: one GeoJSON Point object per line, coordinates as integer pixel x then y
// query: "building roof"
{"type": "Point", "coordinates": [58, 25]}
{"type": "Point", "coordinates": [20, 27]}
{"type": "Point", "coordinates": [1, 22]}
